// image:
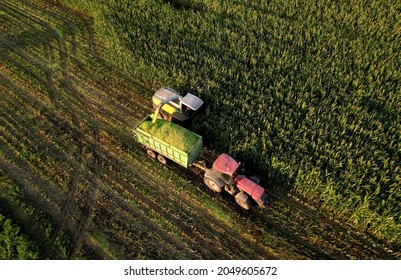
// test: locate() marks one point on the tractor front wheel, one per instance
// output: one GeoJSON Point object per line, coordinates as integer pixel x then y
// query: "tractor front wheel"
{"type": "Point", "coordinates": [212, 185]}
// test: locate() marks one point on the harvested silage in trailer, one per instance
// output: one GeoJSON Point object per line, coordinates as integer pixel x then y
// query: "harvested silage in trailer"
{"type": "Point", "coordinates": [171, 133]}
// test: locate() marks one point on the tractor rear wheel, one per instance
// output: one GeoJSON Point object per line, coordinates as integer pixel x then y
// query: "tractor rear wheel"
{"type": "Point", "coordinates": [161, 159]}
{"type": "Point", "coordinates": [243, 200]}
{"type": "Point", "coordinates": [151, 153]}
{"type": "Point", "coordinates": [212, 185]}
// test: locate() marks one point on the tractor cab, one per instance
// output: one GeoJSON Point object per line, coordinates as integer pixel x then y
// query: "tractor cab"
{"type": "Point", "coordinates": [225, 168]}
{"type": "Point", "coordinates": [170, 105]}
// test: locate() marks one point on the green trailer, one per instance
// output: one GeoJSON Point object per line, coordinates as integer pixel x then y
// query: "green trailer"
{"type": "Point", "coordinates": [164, 139]}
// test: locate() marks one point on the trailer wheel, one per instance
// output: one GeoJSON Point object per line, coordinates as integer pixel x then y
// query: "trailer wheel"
{"type": "Point", "coordinates": [161, 159]}
{"type": "Point", "coordinates": [151, 153]}
{"type": "Point", "coordinates": [243, 200]}
{"type": "Point", "coordinates": [212, 185]}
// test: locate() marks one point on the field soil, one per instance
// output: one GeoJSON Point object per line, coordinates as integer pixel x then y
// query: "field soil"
{"type": "Point", "coordinates": [79, 186]}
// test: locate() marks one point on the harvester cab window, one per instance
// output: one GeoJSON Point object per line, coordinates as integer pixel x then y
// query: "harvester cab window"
{"type": "Point", "coordinates": [186, 110]}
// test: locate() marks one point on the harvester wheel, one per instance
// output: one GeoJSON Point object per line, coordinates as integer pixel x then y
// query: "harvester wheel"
{"type": "Point", "coordinates": [212, 185]}
{"type": "Point", "coordinates": [166, 116]}
{"type": "Point", "coordinates": [243, 200]}
{"type": "Point", "coordinates": [161, 159]}
{"type": "Point", "coordinates": [151, 153]}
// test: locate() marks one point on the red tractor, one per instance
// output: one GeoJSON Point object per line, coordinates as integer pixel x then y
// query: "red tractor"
{"type": "Point", "coordinates": [224, 175]}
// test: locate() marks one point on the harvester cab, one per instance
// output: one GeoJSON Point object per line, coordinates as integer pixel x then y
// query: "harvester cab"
{"type": "Point", "coordinates": [169, 105]}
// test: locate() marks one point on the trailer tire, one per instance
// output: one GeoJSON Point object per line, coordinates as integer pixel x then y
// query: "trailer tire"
{"type": "Point", "coordinates": [151, 153]}
{"type": "Point", "coordinates": [213, 185]}
{"type": "Point", "coordinates": [243, 200]}
{"type": "Point", "coordinates": [161, 159]}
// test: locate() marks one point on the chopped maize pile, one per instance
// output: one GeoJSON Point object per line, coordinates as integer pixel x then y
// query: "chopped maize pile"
{"type": "Point", "coordinates": [171, 133]}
